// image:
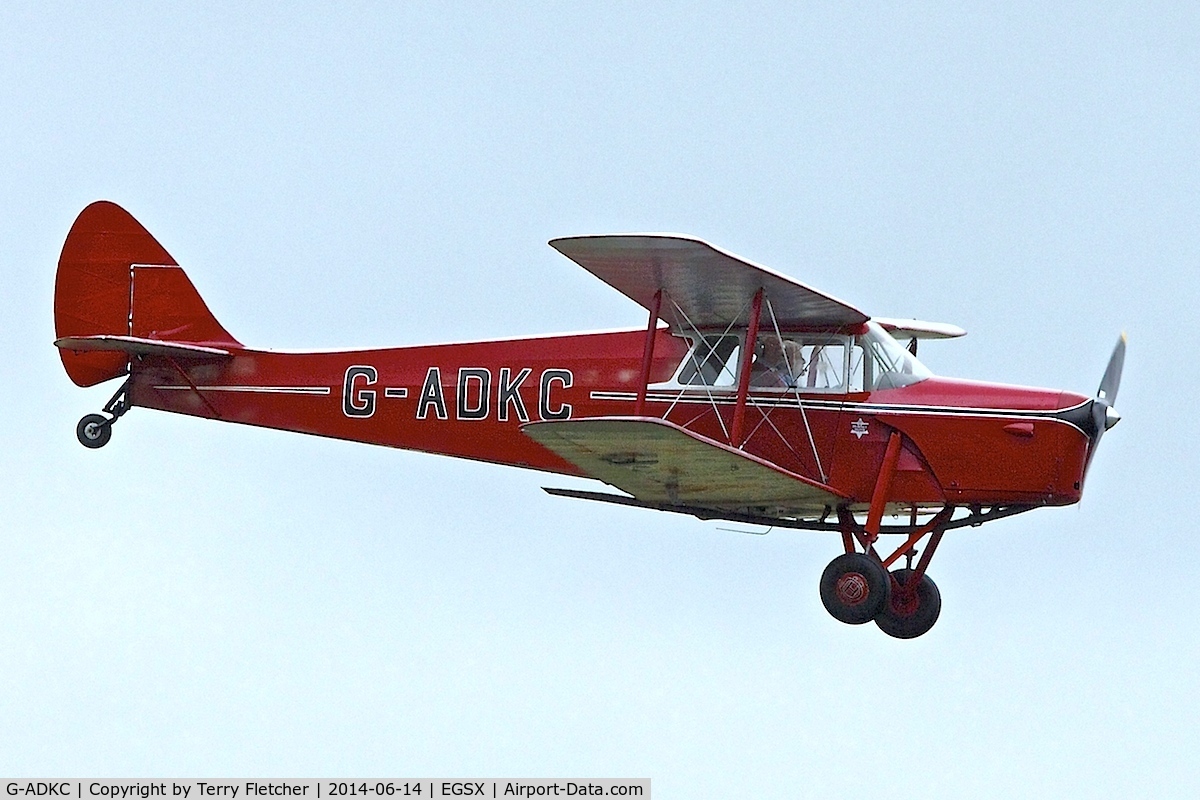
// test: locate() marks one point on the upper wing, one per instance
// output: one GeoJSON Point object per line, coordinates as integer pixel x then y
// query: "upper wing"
{"type": "Point", "coordinates": [658, 461]}
{"type": "Point", "coordinates": [712, 287]}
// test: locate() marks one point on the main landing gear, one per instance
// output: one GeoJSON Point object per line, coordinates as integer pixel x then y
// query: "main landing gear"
{"type": "Point", "coordinates": [857, 588]}
{"type": "Point", "coordinates": [94, 430]}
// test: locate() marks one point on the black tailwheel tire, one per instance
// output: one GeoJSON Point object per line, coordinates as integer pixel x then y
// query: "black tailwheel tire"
{"type": "Point", "coordinates": [854, 588]}
{"type": "Point", "coordinates": [910, 614]}
{"type": "Point", "coordinates": [94, 431]}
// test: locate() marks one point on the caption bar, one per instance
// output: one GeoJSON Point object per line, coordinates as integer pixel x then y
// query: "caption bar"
{"type": "Point", "coordinates": [314, 789]}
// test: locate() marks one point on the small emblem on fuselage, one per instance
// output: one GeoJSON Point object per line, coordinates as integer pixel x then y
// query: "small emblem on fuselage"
{"type": "Point", "coordinates": [859, 428]}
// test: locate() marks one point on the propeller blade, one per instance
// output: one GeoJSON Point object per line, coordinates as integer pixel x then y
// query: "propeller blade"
{"type": "Point", "coordinates": [1104, 416]}
{"type": "Point", "coordinates": [1112, 376]}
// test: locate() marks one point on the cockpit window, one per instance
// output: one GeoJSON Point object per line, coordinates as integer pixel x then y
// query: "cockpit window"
{"type": "Point", "coordinates": [811, 363]}
{"type": "Point", "coordinates": [808, 362]}
{"type": "Point", "coordinates": [877, 361]}
{"type": "Point", "coordinates": [805, 362]}
{"type": "Point", "coordinates": [712, 361]}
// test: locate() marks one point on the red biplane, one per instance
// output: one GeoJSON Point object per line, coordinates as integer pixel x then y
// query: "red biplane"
{"type": "Point", "coordinates": [748, 397]}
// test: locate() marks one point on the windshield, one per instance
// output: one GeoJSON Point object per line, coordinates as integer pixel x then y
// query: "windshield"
{"type": "Point", "coordinates": [880, 362]}
{"type": "Point", "coordinates": [712, 361]}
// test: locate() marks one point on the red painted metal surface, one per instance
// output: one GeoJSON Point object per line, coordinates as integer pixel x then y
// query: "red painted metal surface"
{"type": "Point", "coordinates": [469, 400]}
{"type": "Point", "coordinates": [883, 485]}
{"type": "Point", "coordinates": [466, 400]}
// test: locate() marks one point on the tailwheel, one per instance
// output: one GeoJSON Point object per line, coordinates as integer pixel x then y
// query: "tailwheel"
{"type": "Point", "coordinates": [854, 588]}
{"type": "Point", "coordinates": [94, 430]}
{"type": "Point", "coordinates": [910, 611]}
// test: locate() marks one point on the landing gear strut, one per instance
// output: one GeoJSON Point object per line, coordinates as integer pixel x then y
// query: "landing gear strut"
{"type": "Point", "coordinates": [94, 430]}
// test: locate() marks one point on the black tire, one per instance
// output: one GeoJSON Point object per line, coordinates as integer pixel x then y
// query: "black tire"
{"type": "Point", "coordinates": [94, 431]}
{"type": "Point", "coordinates": [854, 588]}
{"type": "Point", "coordinates": [910, 614]}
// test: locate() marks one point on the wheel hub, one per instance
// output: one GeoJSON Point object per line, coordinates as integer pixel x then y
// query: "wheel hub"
{"type": "Point", "coordinates": [852, 588]}
{"type": "Point", "coordinates": [905, 602]}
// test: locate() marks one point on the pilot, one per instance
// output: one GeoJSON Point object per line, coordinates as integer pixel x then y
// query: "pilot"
{"type": "Point", "coordinates": [777, 365]}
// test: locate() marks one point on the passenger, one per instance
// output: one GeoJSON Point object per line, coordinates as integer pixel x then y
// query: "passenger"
{"type": "Point", "coordinates": [777, 365]}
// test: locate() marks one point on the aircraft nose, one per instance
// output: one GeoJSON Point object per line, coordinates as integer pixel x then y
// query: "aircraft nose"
{"type": "Point", "coordinates": [1093, 417]}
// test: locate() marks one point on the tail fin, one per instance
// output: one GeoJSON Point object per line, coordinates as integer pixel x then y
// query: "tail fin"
{"type": "Point", "coordinates": [115, 279]}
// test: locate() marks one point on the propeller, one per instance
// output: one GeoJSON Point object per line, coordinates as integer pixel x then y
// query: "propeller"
{"type": "Point", "coordinates": [1104, 416]}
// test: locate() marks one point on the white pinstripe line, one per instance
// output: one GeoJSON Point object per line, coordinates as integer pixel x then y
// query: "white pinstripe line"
{"type": "Point", "coordinates": [310, 390]}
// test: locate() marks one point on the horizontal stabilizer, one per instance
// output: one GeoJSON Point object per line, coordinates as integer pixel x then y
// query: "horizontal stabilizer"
{"type": "Point", "coordinates": [919, 329]}
{"type": "Point", "coordinates": [134, 345]}
{"type": "Point", "coordinates": [659, 462]}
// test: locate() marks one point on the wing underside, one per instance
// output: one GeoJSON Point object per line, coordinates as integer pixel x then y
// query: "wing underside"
{"type": "Point", "coordinates": [659, 462]}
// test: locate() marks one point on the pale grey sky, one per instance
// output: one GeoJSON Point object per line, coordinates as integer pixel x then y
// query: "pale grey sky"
{"type": "Point", "coordinates": [207, 600]}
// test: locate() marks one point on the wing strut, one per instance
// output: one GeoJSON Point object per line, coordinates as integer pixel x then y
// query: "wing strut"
{"type": "Point", "coordinates": [739, 409]}
{"type": "Point", "coordinates": [648, 353]}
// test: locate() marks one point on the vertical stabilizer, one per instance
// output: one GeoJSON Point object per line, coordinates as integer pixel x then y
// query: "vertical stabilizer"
{"type": "Point", "coordinates": [115, 279]}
